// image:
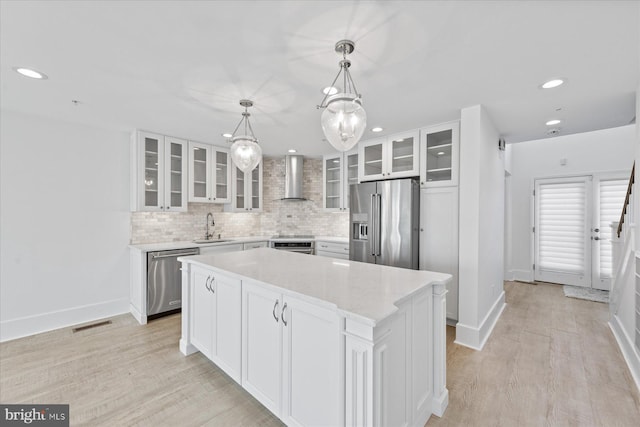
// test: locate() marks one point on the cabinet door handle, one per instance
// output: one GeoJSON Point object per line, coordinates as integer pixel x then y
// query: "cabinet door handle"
{"type": "Point", "coordinates": [211, 288]}
{"type": "Point", "coordinates": [282, 314]}
{"type": "Point", "coordinates": [206, 284]}
{"type": "Point", "coordinates": [275, 316]}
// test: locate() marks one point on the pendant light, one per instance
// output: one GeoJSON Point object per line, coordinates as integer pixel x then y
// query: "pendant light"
{"type": "Point", "coordinates": [245, 151]}
{"type": "Point", "coordinates": [343, 119]}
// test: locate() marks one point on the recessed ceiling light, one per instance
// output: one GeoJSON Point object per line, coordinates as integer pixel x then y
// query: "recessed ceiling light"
{"type": "Point", "coordinates": [377, 129]}
{"type": "Point", "coordinates": [553, 122]}
{"type": "Point", "coordinates": [330, 90]}
{"type": "Point", "coordinates": [227, 135]}
{"type": "Point", "coordinates": [552, 83]}
{"type": "Point", "coordinates": [28, 72]}
{"type": "Point", "coordinates": [293, 150]}
{"type": "Point", "coordinates": [440, 153]}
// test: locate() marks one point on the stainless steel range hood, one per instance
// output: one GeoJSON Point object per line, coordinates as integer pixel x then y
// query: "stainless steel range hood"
{"type": "Point", "coordinates": [293, 166]}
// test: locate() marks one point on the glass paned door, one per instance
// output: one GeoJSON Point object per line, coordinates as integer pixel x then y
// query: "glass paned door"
{"type": "Point", "coordinates": [222, 174]}
{"type": "Point", "coordinates": [439, 145]}
{"type": "Point", "coordinates": [200, 167]}
{"type": "Point", "coordinates": [562, 234]}
{"type": "Point", "coordinates": [402, 154]}
{"type": "Point", "coordinates": [240, 190]}
{"type": "Point", "coordinates": [255, 188]}
{"type": "Point", "coordinates": [352, 176]}
{"type": "Point", "coordinates": [332, 182]}
{"type": "Point", "coordinates": [176, 174]}
{"type": "Point", "coordinates": [373, 159]}
{"type": "Point", "coordinates": [151, 174]}
{"type": "Point", "coordinates": [573, 228]}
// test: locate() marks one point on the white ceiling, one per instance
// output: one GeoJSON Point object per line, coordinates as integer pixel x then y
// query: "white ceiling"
{"type": "Point", "coordinates": [180, 68]}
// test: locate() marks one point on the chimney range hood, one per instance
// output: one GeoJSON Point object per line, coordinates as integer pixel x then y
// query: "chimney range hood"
{"type": "Point", "coordinates": [293, 182]}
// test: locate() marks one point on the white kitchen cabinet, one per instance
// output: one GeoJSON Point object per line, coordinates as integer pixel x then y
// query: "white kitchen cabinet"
{"type": "Point", "coordinates": [159, 173]}
{"type": "Point", "coordinates": [332, 249]}
{"type": "Point", "coordinates": [246, 190]}
{"type": "Point", "coordinates": [339, 171]}
{"type": "Point", "coordinates": [219, 249]}
{"type": "Point", "coordinates": [256, 245]}
{"type": "Point", "coordinates": [439, 238]}
{"type": "Point", "coordinates": [209, 173]}
{"type": "Point", "coordinates": [215, 318]}
{"type": "Point", "coordinates": [291, 356]}
{"type": "Point", "coordinates": [395, 156]}
{"type": "Point", "coordinates": [439, 161]}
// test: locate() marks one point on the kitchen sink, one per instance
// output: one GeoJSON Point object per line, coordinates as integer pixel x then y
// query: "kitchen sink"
{"type": "Point", "coordinates": [211, 240]}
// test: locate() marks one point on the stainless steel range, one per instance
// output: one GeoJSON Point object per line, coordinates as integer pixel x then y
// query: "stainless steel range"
{"type": "Point", "coordinates": [301, 243]}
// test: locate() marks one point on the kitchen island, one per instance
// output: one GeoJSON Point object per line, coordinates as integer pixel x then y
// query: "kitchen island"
{"type": "Point", "coordinates": [321, 341]}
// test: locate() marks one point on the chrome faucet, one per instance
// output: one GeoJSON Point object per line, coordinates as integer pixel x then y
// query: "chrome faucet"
{"type": "Point", "coordinates": [208, 234]}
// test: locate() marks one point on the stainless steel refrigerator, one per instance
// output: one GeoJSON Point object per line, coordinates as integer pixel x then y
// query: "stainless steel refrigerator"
{"type": "Point", "coordinates": [384, 219]}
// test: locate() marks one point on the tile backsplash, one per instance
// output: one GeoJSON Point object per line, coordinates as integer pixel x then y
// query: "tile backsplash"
{"type": "Point", "coordinates": [278, 216]}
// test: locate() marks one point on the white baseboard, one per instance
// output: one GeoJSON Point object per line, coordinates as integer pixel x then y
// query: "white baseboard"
{"type": "Point", "coordinates": [627, 348]}
{"type": "Point", "coordinates": [521, 275]}
{"type": "Point", "coordinates": [440, 403]}
{"type": "Point", "coordinates": [30, 325]}
{"type": "Point", "coordinates": [142, 319]}
{"type": "Point", "coordinates": [476, 337]}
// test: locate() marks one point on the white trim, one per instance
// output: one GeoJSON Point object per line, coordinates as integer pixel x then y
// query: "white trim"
{"type": "Point", "coordinates": [627, 348]}
{"type": "Point", "coordinates": [31, 325]}
{"type": "Point", "coordinates": [440, 404]}
{"type": "Point", "coordinates": [142, 319]}
{"type": "Point", "coordinates": [476, 338]}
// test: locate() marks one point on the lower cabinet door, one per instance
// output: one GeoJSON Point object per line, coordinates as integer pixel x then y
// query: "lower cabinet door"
{"type": "Point", "coordinates": [312, 391]}
{"type": "Point", "coordinates": [228, 324]}
{"type": "Point", "coordinates": [202, 303]}
{"type": "Point", "coordinates": [262, 344]}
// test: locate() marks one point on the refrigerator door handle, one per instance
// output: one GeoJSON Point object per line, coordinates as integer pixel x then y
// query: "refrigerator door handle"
{"type": "Point", "coordinates": [372, 241]}
{"type": "Point", "coordinates": [378, 224]}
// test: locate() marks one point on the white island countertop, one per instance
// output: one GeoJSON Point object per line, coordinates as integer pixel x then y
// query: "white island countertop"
{"type": "Point", "coordinates": [368, 292]}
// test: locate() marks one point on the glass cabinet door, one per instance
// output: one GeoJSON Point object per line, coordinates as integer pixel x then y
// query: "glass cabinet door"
{"type": "Point", "coordinates": [439, 156]}
{"type": "Point", "coordinates": [439, 163]}
{"type": "Point", "coordinates": [255, 188]}
{"type": "Point", "coordinates": [199, 180]}
{"type": "Point", "coordinates": [152, 160]}
{"type": "Point", "coordinates": [372, 153]}
{"type": "Point", "coordinates": [332, 182]}
{"type": "Point", "coordinates": [175, 175]}
{"type": "Point", "coordinates": [351, 176]}
{"type": "Point", "coordinates": [402, 154]}
{"type": "Point", "coordinates": [222, 176]}
{"type": "Point", "coordinates": [240, 190]}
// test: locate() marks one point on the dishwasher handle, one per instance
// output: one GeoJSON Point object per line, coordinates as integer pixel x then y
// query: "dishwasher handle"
{"type": "Point", "coordinates": [154, 257]}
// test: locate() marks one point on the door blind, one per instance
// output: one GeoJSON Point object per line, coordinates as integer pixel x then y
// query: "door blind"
{"type": "Point", "coordinates": [561, 222]}
{"type": "Point", "coordinates": [611, 193]}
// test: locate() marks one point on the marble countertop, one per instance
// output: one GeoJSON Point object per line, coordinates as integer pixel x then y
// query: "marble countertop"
{"type": "Point", "coordinates": [366, 292]}
{"type": "Point", "coordinates": [167, 246]}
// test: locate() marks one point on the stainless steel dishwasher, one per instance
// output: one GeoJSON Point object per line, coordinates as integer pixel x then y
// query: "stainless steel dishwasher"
{"type": "Point", "coordinates": [164, 281]}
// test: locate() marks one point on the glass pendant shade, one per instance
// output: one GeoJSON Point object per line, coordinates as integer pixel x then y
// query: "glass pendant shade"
{"type": "Point", "coordinates": [343, 121]}
{"type": "Point", "coordinates": [245, 153]}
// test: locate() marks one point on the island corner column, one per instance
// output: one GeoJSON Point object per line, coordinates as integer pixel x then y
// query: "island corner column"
{"type": "Point", "coordinates": [440, 392]}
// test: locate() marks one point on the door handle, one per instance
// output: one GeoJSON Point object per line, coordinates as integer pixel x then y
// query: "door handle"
{"type": "Point", "coordinates": [596, 238]}
{"type": "Point", "coordinates": [213, 278]}
{"type": "Point", "coordinates": [282, 314]}
{"type": "Point", "coordinates": [206, 284]}
{"type": "Point", "coordinates": [372, 242]}
{"type": "Point", "coordinates": [275, 316]}
{"type": "Point", "coordinates": [596, 230]}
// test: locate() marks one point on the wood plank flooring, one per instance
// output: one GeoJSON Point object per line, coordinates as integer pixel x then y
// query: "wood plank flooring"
{"type": "Point", "coordinates": [551, 361]}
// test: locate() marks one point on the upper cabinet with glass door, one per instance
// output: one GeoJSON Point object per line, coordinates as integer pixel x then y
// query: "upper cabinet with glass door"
{"type": "Point", "coordinates": [209, 173]}
{"type": "Point", "coordinates": [339, 171]}
{"type": "Point", "coordinates": [439, 160]}
{"type": "Point", "coordinates": [160, 173]}
{"type": "Point", "coordinates": [247, 190]}
{"type": "Point", "coordinates": [395, 156]}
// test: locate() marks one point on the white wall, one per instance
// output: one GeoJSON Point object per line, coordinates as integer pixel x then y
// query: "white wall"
{"type": "Point", "coordinates": [481, 239]}
{"type": "Point", "coordinates": [598, 151]}
{"type": "Point", "coordinates": [64, 223]}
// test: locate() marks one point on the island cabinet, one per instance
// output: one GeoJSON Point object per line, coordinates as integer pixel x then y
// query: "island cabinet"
{"type": "Point", "coordinates": [215, 321]}
{"type": "Point", "coordinates": [291, 356]}
{"type": "Point", "coordinates": [323, 341]}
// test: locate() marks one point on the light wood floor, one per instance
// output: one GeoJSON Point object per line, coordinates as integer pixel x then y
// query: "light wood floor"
{"type": "Point", "coordinates": [550, 361]}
